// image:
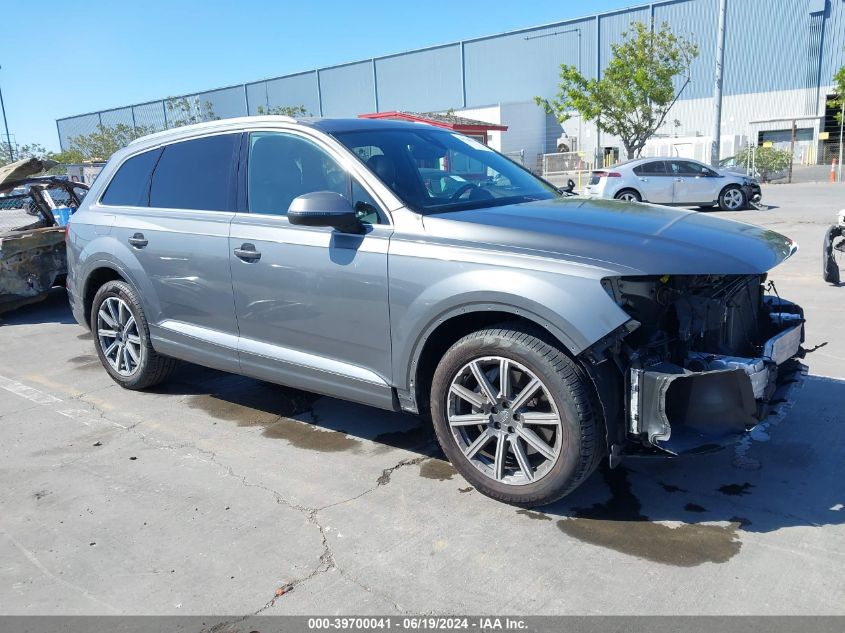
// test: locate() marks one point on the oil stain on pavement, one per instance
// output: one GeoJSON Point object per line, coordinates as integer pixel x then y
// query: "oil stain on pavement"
{"type": "Point", "coordinates": [252, 403]}
{"type": "Point", "coordinates": [437, 469]}
{"type": "Point", "coordinates": [619, 524]}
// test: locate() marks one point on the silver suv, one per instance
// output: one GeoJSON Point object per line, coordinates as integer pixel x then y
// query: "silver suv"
{"type": "Point", "coordinates": [411, 268]}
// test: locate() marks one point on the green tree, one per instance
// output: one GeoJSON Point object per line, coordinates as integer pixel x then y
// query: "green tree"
{"type": "Point", "coordinates": [184, 111]}
{"type": "Point", "coordinates": [765, 160]}
{"type": "Point", "coordinates": [291, 111]}
{"type": "Point", "coordinates": [839, 88]}
{"type": "Point", "coordinates": [636, 90]}
{"type": "Point", "coordinates": [30, 150]}
{"type": "Point", "coordinates": [105, 141]}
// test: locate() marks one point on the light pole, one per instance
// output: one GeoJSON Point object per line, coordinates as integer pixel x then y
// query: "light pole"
{"type": "Point", "coordinates": [841, 121]}
{"type": "Point", "coordinates": [6, 125]}
{"type": "Point", "coordinates": [715, 147]}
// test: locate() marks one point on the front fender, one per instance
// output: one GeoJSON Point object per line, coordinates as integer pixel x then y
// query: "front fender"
{"type": "Point", "coordinates": [565, 299]}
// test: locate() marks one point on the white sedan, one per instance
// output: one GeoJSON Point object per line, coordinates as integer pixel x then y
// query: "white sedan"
{"type": "Point", "coordinates": [674, 181]}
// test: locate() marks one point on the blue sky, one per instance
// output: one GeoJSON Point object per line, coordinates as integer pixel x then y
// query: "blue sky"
{"type": "Point", "coordinates": [99, 54]}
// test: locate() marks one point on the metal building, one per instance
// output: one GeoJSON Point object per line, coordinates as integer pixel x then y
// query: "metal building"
{"type": "Point", "coordinates": [780, 57]}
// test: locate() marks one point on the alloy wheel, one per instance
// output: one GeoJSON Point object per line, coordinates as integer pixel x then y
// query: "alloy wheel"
{"type": "Point", "coordinates": [118, 336]}
{"type": "Point", "coordinates": [628, 197]}
{"type": "Point", "coordinates": [733, 199]}
{"type": "Point", "coordinates": [504, 420]}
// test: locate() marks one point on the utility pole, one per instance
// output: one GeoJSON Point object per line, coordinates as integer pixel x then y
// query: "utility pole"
{"type": "Point", "coordinates": [715, 146]}
{"type": "Point", "coordinates": [841, 121]}
{"type": "Point", "coordinates": [792, 149]}
{"type": "Point", "coordinates": [6, 125]}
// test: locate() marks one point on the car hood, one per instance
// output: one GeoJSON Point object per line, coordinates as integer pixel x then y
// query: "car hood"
{"type": "Point", "coordinates": [626, 238]}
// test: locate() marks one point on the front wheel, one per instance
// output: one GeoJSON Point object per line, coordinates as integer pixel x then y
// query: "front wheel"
{"type": "Point", "coordinates": [732, 198]}
{"type": "Point", "coordinates": [515, 416]}
{"type": "Point", "coordinates": [122, 338]}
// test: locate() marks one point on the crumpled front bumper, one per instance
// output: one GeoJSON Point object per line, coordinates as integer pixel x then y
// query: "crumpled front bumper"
{"type": "Point", "coordinates": [713, 400]}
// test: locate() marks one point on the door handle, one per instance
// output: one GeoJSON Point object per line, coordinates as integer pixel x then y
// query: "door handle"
{"type": "Point", "coordinates": [247, 253]}
{"type": "Point", "coordinates": [679, 180]}
{"type": "Point", "coordinates": [643, 179]}
{"type": "Point", "coordinates": [138, 240]}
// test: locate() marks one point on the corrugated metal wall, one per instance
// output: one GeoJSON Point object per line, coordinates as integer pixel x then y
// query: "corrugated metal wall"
{"type": "Point", "coordinates": [776, 46]}
{"type": "Point", "coordinates": [348, 90]}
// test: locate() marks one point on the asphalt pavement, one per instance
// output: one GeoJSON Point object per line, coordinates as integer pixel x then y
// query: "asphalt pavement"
{"type": "Point", "coordinates": [219, 495]}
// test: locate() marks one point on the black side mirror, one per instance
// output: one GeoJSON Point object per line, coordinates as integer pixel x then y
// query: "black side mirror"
{"type": "Point", "coordinates": [324, 208]}
{"type": "Point", "coordinates": [570, 185]}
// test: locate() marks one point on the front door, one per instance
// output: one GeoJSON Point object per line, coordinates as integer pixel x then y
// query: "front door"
{"type": "Point", "coordinates": [311, 302]}
{"type": "Point", "coordinates": [694, 183]}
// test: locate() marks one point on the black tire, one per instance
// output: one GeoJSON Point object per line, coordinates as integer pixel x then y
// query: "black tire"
{"type": "Point", "coordinates": [731, 190]}
{"type": "Point", "coordinates": [633, 193]}
{"type": "Point", "coordinates": [582, 445]}
{"type": "Point", "coordinates": [830, 267]}
{"type": "Point", "coordinates": [152, 368]}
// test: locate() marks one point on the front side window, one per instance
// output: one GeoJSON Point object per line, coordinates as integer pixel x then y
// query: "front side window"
{"type": "Point", "coordinates": [283, 166]}
{"type": "Point", "coordinates": [435, 171]}
{"type": "Point", "coordinates": [196, 174]}
{"type": "Point", "coordinates": [130, 186]}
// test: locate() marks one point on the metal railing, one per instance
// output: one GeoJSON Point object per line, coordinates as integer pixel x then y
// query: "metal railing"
{"type": "Point", "coordinates": [565, 163]}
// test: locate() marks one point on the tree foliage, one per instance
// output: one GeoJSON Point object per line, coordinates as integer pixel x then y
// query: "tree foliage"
{"type": "Point", "coordinates": [839, 89]}
{"type": "Point", "coordinates": [637, 89]}
{"type": "Point", "coordinates": [187, 111]}
{"type": "Point", "coordinates": [765, 160]}
{"type": "Point", "coordinates": [291, 111]}
{"type": "Point", "coordinates": [105, 141]}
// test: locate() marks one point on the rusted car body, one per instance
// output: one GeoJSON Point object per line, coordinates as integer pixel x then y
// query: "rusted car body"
{"type": "Point", "coordinates": [32, 241]}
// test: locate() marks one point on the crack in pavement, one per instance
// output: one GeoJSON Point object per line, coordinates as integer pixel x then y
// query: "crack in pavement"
{"type": "Point", "coordinates": [326, 561]}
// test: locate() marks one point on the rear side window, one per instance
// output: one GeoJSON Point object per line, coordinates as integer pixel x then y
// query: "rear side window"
{"type": "Point", "coordinates": [197, 174]}
{"type": "Point", "coordinates": [130, 186]}
{"type": "Point", "coordinates": [653, 168]}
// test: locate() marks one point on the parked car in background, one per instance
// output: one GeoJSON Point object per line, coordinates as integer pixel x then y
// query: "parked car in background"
{"type": "Point", "coordinates": [833, 249]}
{"type": "Point", "coordinates": [544, 333]}
{"type": "Point", "coordinates": [33, 213]}
{"type": "Point", "coordinates": [674, 181]}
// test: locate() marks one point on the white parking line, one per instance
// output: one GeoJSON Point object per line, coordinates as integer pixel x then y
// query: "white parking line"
{"type": "Point", "coordinates": [24, 391]}
{"type": "Point", "coordinates": [39, 397]}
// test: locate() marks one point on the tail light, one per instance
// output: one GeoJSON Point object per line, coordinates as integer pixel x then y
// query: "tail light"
{"type": "Point", "coordinates": [607, 174]}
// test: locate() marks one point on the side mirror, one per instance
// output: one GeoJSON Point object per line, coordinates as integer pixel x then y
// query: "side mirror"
{"type": "Point", "coordinates": [570, 185]}
{"type": "Point", "coordinates": [324, 208]}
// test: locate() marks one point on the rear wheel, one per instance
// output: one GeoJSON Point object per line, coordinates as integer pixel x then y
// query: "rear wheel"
{"type": "Point", "coordinates": [732, 198]}
{"type": "Point", "coordinates": [122, 338]}
{"type": "Point", "coordinates": [515, 416]}
{"type": "Point", "coordinates": [629, 195]}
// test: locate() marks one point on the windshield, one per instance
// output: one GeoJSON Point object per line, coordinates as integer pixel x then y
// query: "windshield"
{"type": "Point", "coordinates": [437, 171]}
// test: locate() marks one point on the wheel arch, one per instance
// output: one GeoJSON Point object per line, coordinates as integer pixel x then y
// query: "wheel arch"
{"type": "Point", "coordinates": [631, 189]}
{"type": "Point", "coordinates": [456, 323]}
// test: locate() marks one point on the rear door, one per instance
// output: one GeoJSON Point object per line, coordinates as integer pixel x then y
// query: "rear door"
{"type": "Point", "coordinates": [179, 236]}
{"type": "Point", "coordinates": [654, 181]}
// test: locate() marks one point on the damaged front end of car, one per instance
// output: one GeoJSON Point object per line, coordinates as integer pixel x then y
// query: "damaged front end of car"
{"type": "Point", "coordinates": [704, 359]}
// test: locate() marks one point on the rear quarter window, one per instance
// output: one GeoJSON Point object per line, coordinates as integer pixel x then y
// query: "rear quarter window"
{"type": "Point", "coordinates": [130, 186]}
{"type": "Point", "coordinates": [197, 174]}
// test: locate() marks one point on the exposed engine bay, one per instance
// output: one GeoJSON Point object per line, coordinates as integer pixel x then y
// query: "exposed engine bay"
{"type": "Point", "coordinates": [703, 357]}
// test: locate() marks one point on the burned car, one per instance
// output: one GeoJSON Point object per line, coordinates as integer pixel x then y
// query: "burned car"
{"type": "Point", "coordinates": [33, 214]}
{"type": "Point", "coordinates": [544, 333]}
{"type": "Point", "coordinates": [832, 249]}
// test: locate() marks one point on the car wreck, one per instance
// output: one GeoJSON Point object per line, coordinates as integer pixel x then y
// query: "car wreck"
{"type": "Point", "coordinates": [705, 358]}
{"type": "Point", "coordinates": [33, 213]}
{"type": "Point", "coordinates": [832, 248]}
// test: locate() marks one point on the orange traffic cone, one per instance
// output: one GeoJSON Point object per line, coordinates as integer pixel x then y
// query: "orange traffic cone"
{"type": "Point", "coordinates": [833, 171]}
